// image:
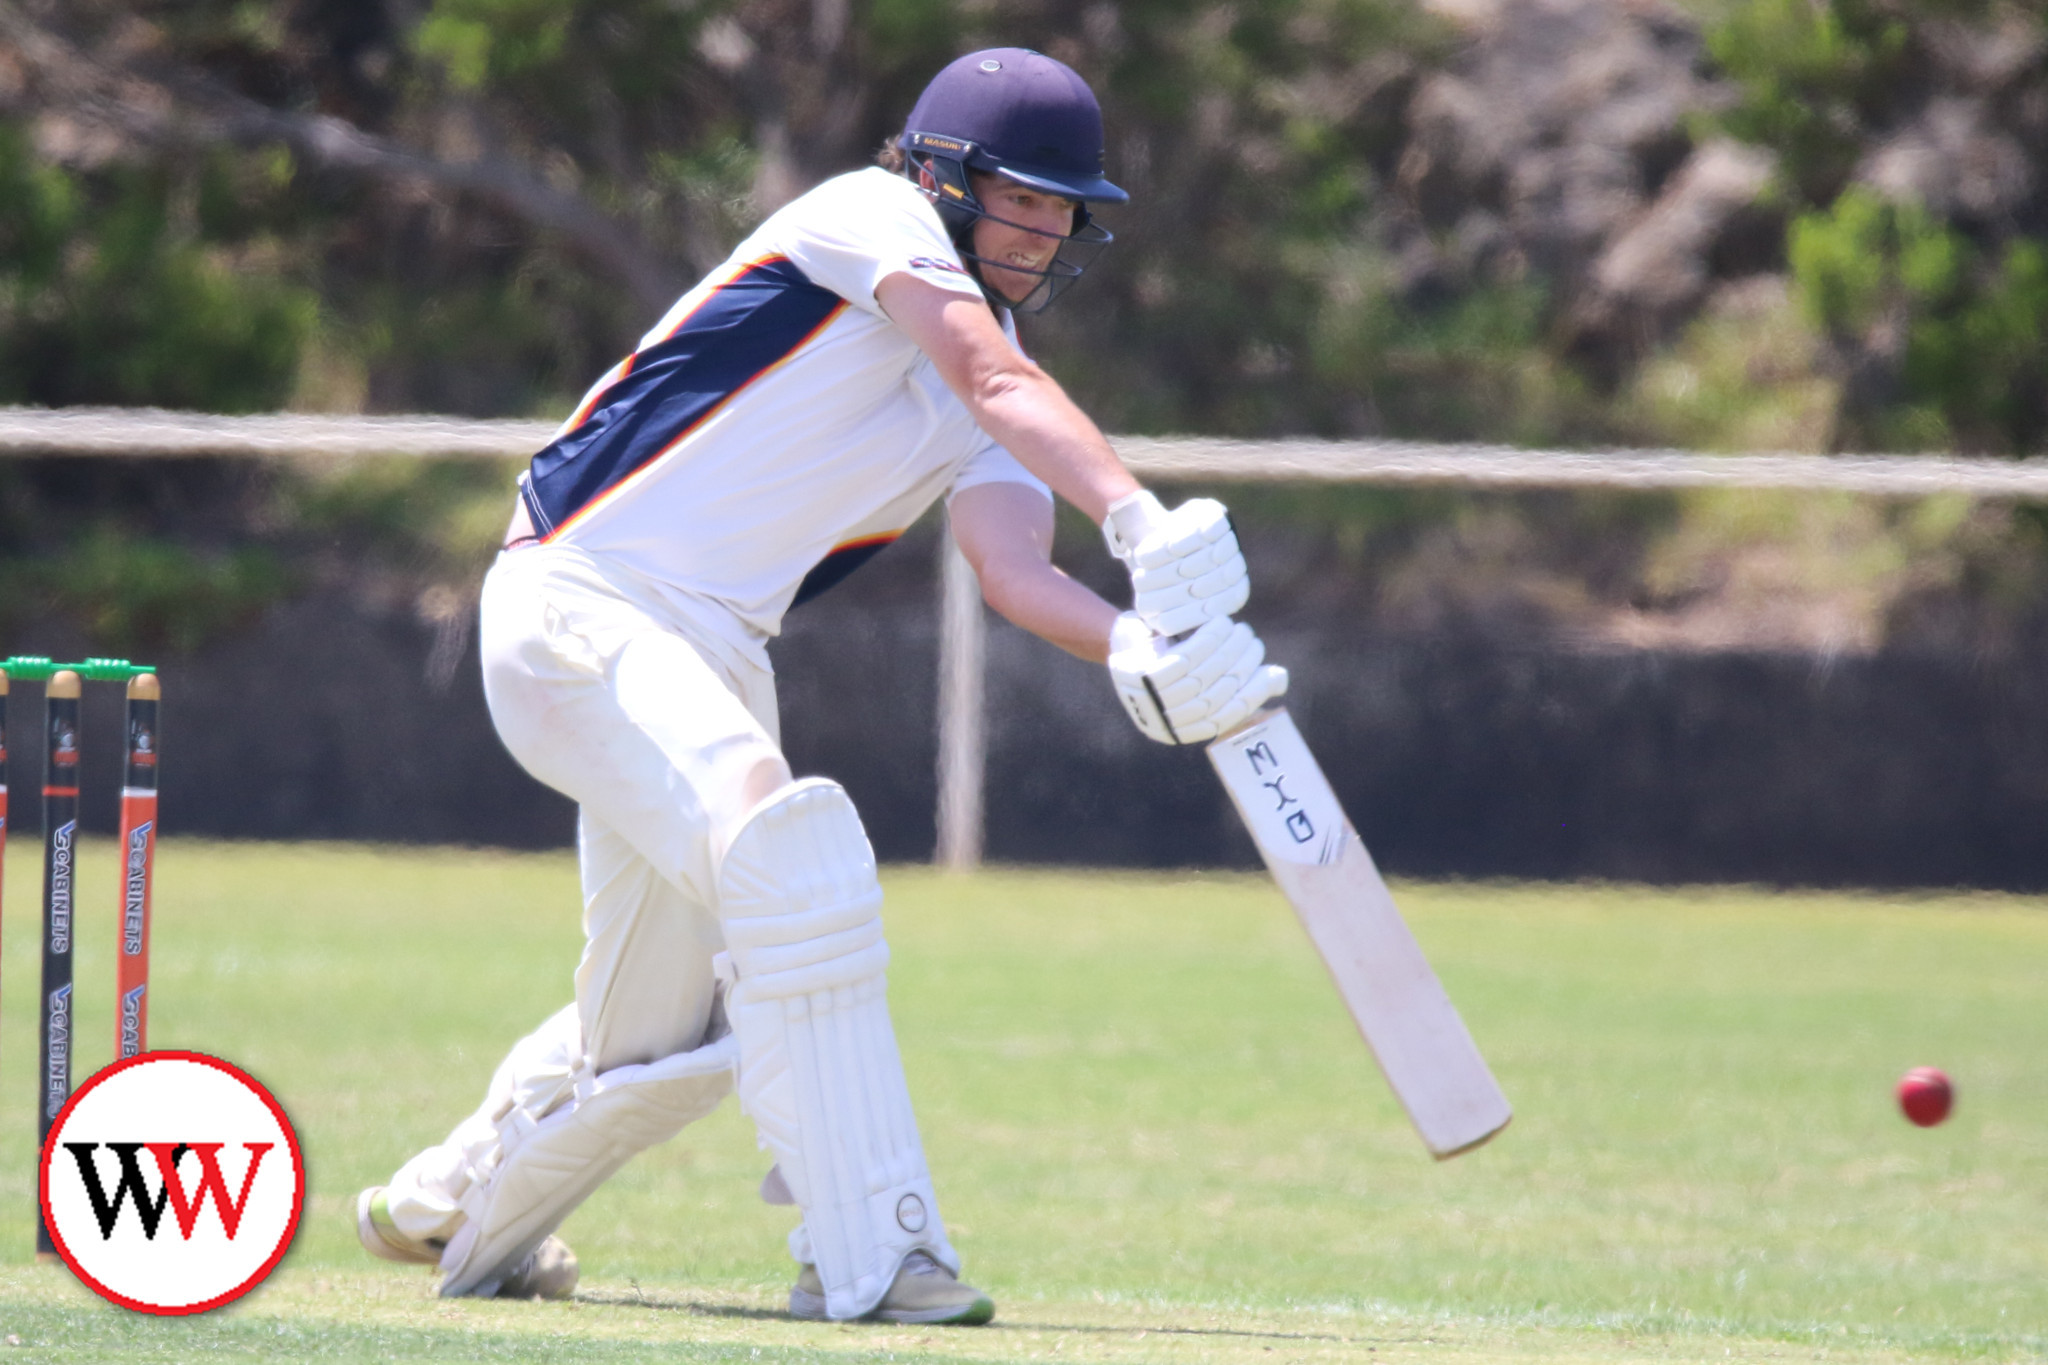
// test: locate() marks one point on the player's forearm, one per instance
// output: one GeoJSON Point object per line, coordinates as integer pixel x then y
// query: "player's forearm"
{"type": "Point", "coordinates": [1053, 607]}
{"type": "Point", "coordinates": [1005, 530]}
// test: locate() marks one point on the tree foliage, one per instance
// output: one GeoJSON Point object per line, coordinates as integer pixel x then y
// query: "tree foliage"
{"type": "Point", "coordinates": [1957, 334]}
{"type": "Point", "coordinates": [1250, 134]}
{"type": "Point", "coordinates": [475, 205]}
{"type": "Point", "coordinates": [1934, 311]}
{"type": "Point", "coordinates": [104, 298]}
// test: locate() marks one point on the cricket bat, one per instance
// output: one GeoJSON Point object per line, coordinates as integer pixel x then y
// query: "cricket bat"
{"type": "Point", "coordinates": [1321, 864]}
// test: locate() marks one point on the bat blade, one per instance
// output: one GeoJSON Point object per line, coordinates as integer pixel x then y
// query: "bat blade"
{"type": "Point", "coordinates": [1322, 866]}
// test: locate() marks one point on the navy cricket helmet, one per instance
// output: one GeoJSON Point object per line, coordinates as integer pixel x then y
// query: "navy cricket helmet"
{"type": "Point", "coordinates": [1024, 116]}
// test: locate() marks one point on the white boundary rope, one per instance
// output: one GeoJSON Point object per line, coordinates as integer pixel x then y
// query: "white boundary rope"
{"type": "Point", "coordinates": [1507, 467]}
{"type": "Point", "coordinates": [143, 432]}
{"type": "Point", "coordinates": [154, 432]}
{"type": "Point", "coordinates": [158, 432]}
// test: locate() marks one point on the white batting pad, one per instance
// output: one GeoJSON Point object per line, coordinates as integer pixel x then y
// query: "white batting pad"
{"type": "Point", "coordinates": [539, 1170]}
{"type": "Point", "coordinates": [819, 1070]}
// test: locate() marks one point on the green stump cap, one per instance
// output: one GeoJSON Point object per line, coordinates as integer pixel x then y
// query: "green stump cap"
{"type": "Point", "coordinates": [38, 668]}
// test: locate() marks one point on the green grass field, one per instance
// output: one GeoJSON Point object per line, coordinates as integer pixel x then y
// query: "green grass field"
{"type": "Point", "coordinates": [1154, 1131]}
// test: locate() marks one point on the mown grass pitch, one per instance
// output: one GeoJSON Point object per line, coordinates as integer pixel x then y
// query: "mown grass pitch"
{"type": "Point", "coordinates": [1154, 1132]}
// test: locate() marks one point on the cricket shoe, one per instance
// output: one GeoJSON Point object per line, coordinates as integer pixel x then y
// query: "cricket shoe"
{"type": "Point", "coordinates": [381, 1237]}
{"type": "Point", "coordinates": [548, 1272]}
{"type": "Point", "coordinates": [924, 1292]}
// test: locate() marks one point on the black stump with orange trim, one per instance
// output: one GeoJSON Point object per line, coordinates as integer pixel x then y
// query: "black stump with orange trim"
{"type": "Point", "coordinates": [60, 887]}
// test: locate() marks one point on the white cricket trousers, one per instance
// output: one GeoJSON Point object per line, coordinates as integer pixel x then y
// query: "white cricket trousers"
{"type": "Point", "coordinates": [597, 691]}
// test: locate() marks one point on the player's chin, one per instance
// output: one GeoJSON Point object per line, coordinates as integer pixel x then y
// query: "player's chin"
{"type": "Point", "coordinates": [1012, 288]}
{"type": "Point", "coordinates": [1014, 285]}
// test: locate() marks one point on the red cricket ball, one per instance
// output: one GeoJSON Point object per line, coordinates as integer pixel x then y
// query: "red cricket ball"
{"type": "Point", "coordinates": [1925, 1095]}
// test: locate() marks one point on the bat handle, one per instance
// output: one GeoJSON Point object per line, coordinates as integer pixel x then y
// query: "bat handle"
{"type": "Point", "coordinates": [1258, 717]}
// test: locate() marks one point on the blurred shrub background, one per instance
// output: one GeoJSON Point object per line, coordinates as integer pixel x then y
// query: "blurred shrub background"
{"type": "Point", "coordinates": [1720, 224]}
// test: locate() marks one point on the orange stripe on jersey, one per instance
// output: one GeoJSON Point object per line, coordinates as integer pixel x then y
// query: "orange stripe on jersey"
{"type": "Point", "coordinates": [840, 562]}
{"type": "Point", "coordinates": [862, 542]}
{"type": "Point", "coordinates": [639, 474]}
{"type": "Point", "coordinates": [595, 398]}
{"type": "Point", "coordinates": [597, 393]}
{"type": "Point", "coordinates": [732, 277]}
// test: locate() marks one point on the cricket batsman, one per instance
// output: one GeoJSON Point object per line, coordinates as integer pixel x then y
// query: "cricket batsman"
{"type": "Point", "coordinates": [853, 361]}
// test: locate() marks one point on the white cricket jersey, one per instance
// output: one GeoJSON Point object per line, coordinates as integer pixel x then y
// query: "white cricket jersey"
{"type": "Point", "coordinates": [775, 429]}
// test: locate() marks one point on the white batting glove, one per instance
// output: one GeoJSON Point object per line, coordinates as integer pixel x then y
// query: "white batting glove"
{"type": "Point", "coordinates": [1191, 690]}
{"type": "Point", "coordinates": [1186, 568]}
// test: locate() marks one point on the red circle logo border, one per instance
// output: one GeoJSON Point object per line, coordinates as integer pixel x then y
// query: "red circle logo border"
{"type": "Point", "coordinates": [284, 1243]}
